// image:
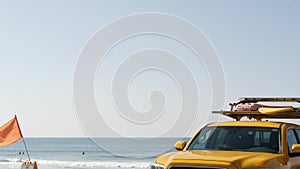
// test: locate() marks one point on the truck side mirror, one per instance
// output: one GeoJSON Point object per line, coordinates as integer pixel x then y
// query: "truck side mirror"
{"type": "Point", "coordinates": [179, 145]}
{"type": "Point", "coordinates": [296, 148]}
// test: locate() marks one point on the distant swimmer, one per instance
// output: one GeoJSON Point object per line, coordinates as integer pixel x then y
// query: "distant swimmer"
{"type": "Point", "coordinates": [19, 152]}
{"type": "Point", "coordinates": [83, 153]}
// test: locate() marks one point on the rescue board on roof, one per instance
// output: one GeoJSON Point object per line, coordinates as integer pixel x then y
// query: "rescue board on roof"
{"type": "Point", "coordinates": [250, 107]}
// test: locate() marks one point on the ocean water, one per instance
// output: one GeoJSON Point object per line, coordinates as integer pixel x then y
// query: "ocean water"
{"type": "Point", "coordinates": [84, 153]}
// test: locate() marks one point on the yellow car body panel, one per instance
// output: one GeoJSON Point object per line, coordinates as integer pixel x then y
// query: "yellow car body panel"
{"type": "Point", "coordinates": [248, 123]}
{"type": "Point", "coordinates": [234, 159]}
{"type": "Point", "coordinates": [229, 159]}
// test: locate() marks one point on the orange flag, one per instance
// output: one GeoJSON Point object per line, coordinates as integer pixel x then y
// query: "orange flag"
{"type": "Point", "coordinates": [10, 132]}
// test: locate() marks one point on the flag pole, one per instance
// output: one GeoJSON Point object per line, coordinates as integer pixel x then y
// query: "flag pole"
{"type": "Point", "coordinates": [23, 139]}
{"type": "Point", "coordinates": [26, 148]}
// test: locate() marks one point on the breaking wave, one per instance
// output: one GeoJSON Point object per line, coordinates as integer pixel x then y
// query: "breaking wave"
{"type": "Point", "coordinates": [83, 165]}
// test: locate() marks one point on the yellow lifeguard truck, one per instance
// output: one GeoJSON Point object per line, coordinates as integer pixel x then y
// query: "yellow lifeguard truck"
{"type": "Point", "coordinates": [257, 143]}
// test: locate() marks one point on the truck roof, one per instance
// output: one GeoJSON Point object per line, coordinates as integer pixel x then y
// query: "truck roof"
{"type": "Point", "coordinates": [249, 124]}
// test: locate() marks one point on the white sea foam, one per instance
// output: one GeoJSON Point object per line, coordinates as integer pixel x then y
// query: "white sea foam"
{"type": "Point", "coordinates": [104, 164]}
{"type": "Point", "coordinates": [73, 164]}
{"type": "Point", "coordinates": [11, 160]}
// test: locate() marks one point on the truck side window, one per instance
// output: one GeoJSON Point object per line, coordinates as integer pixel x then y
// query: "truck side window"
{"type": "Point", "coordinates": [291, 139]}
{"type": "Point", "coordinates": [298, 134]}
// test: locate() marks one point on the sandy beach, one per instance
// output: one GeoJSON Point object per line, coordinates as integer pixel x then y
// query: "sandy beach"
{"type": "Point", "coordinates": [18, 166]}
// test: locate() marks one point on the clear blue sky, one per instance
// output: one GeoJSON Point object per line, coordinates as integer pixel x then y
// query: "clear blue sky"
{"type": "Point", "coordinates": [257, 42]}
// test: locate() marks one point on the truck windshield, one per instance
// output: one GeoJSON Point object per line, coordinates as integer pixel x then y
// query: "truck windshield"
{"type": "Point", "coordinates": [250, 139]}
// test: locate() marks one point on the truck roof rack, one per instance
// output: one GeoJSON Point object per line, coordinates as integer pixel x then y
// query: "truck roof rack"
{"type": "Point", "coordinates": [268, 99]}
{"type": "Point", "coordinates": [262, 111]}
{"type": "Point", "coordinates": [258, 115]}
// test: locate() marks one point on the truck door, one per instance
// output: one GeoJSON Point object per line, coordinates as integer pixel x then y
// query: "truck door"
{"type": "Point", "coordinates": [293, 138]}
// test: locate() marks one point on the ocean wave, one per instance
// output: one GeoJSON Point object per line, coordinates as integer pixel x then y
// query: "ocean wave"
{"type": "Point", "coordinates": [104, 164]}
{"type": "Point", "coordinates": [11, 160]}
{"type": "Point", "coordinates": [85, 164]}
